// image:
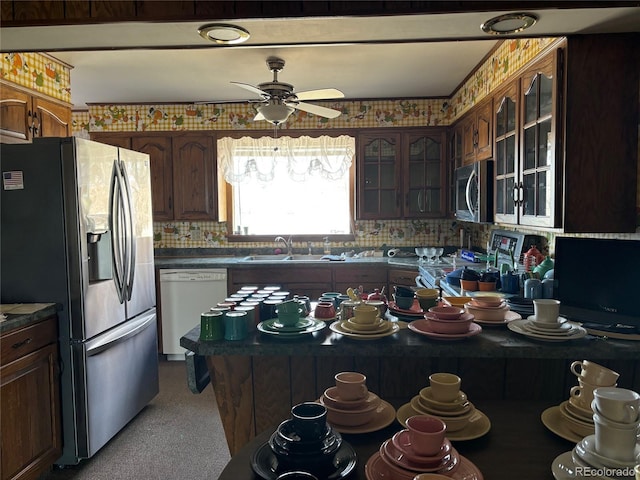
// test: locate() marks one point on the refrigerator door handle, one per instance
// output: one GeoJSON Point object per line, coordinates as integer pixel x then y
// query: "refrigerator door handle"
{"type": "Point", "coordinates": [120, 334]}
{"type": "Point", "coordinates": [129, 232]}
{"type": "Point", "coordinates": [115, 201]}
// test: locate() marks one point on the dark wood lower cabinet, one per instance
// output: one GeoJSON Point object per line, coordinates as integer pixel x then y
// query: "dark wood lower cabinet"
{"type": "Point", "coordinates": [30, 401]}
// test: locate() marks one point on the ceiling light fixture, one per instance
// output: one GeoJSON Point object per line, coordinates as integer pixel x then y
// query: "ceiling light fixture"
{"type": "Point", "coordinates": [509, 23]}
{"type": "Point", "coordinates": [224, 34]}
{"type": "Point", "coordinates": [275, 113]}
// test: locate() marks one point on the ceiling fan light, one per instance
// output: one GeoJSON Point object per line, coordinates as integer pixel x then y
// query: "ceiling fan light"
{"type": "Point", "coordinates": [224, 34]}
{"type": "Point", "coordinates": [509, 23]}
{"type": "Point", "coordinates": [275, 113]}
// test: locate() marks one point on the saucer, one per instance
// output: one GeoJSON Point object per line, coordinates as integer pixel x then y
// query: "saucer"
{"type": "Point", "coordinates": [377, 469]}
{"type": "Point", "coordinates": [567, 410]}
{"type": "Point", "coordinates": [443, 465]}
{"type": "Point", "coordinates": [402, 441]}
{"type": "Point", "coordinates": [563, 467]}
{"type": "Point", "coordinates": [478, 426]}
{"type": "Point", "coordinates": [314, 327]}
{"type": "Point", "coordinates": [337, 328]}
{"type": "Point", "coordinates": [423, 328]}
{"type": "Point", "coordinates": [555, 422]}
{"type": "Point", "coordinates": [419, 406]}
{"type": "Point", "coordinates": [586, 450]}
{"type": "Point", "coordinates": [384, 416]}
{"type": "Point", "coordinates": [509, 316]}
{"type": "Point", "coordinates": [546, 325]}
{"type": "Point", "coordinates": [517, 326]}
{"type": "Point", "coordinates": [379, 327]}
{"type": "Point", "coordinates": [274, 324]}
{"type": "Point", "coordinates": [563, 331]}
{"type": "Point", "coordinates": [427, 395]}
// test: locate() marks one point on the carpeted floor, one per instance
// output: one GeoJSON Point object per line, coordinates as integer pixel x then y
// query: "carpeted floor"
{"type": "Point", "coordinates": [177, 436]}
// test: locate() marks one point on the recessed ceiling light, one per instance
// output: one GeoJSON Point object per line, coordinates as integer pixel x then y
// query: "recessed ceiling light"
{"type": "Point", "coordinates": [224, 34]}
{"type": "Point", "coordinates": [509, 23]}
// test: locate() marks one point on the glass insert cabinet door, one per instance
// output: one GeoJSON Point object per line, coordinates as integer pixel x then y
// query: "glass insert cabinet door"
{"type": "Point", "coordinates": [378, 176]}
{"type": "Point", "coordinates": [506, 155]}
{"type": "Point", "coordinates": [536, 192]}
{"type": "Point", "coordinates": [424, 174]}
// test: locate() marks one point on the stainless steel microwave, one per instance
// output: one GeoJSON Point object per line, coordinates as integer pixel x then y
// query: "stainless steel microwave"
{"type": "Point", "coordinates": [474, 192]}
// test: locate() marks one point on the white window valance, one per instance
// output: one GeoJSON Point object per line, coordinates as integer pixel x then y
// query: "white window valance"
{"type": "Point", "coordinates": [241, 159]}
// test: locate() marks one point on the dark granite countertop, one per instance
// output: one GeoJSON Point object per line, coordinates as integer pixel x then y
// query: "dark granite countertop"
{"type": "Point", "coordinates": [493, 342]}
{"type": "Point", "coordinates": [228, 262]}
{"type": "Point", "coordinates": [21, 314]}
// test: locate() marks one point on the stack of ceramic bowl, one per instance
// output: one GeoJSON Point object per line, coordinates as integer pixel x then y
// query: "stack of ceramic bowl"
{"type": "Point", "coordinates": [421, 448]}
{"type": "Point", "coordinates": [614, 449]}
{"type": "Point", "coordinates": [490, 309]}
{"type": "Point", "coordinates": [366, 324]}
{"type": "Point", "coordinates": [305, 442]}
{"type": "Point", "coordinates": [446, 322]}
{"type": "Point", "coordinates": [352, 408]}
{"type": "Point", "coordinates": [444, 399]}
{"type": "Point", "coordinates": [573, 419]}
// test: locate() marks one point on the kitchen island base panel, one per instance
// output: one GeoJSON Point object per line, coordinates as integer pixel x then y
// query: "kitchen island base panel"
{"type": "Point", "coordinates": [256, 392]}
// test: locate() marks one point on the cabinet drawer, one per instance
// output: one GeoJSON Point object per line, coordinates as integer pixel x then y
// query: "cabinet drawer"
{"type": "Point", "coordinates": [25, 340]}
{"type": "Point", "coordinates": [358, 275]}
{"type": "Point", "coordinates": [402, 277]}
{"type": "Point", "coordinates": [280, 275]}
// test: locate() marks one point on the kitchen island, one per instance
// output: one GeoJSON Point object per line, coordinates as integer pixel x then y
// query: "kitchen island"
{"type": "Point", "coordinates": [257, 380]}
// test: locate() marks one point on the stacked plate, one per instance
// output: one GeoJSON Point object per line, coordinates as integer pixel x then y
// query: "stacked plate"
{"type": "Point", "coordinates": [397, 460]}
{"type": "Point", "coordinates": [584, 455]}
{"type": "Point", "coordinates": [560, 331]}
{"type": "Point", "coordinates": [491, 310]}
{"type": "Point", "coordinates": [521, 305]}
{"type": "Point", "coordinates": [304, 326]}
{"type": "Point", "coordinates": [426, 328]}
{"type": "Point", "coordinates": [365, 331]}
{"type": "Point", "coordinates": [362, 415]}
{"type": "Point", "coordinates": [464, 421]}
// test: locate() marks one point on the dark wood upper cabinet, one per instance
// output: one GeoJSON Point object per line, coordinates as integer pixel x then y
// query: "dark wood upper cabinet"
{"type": "Point", "coordinates": [159, 150]}
{"type": "Point", "coordinates": [25, 116]}
{"type": "Point", "coordinates": [477, 132]}
{"type": "Point", "coordinates": [194, 179]}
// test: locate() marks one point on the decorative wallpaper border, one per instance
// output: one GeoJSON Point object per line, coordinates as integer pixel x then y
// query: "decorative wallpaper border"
{"type": "Point", "coordinates": [39, 73]}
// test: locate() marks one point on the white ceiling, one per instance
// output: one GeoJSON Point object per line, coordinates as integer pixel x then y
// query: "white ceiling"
{"type": "Point", "coordinates": [407, 56]}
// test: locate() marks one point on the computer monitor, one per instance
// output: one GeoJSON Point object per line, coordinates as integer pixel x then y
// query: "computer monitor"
{"type": "Point", "coordinates": [598, 281]}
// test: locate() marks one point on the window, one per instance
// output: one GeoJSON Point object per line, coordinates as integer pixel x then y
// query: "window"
{"type": "Point", "coordinates": [294, 186]}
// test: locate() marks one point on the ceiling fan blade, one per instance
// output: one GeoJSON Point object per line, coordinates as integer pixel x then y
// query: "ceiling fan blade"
{"type": "Point", "coordinates": [251, 88]}
{"type": "Point", "coordinates": [259, 116]}
{"type": "Point", "coordinates": [316, 109]}
{"type": "Point", "coordinates": [324, 93]}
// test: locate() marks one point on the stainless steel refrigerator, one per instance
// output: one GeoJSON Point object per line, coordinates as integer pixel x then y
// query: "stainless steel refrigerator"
{"type": "Point", "coordinates": [76, 229]}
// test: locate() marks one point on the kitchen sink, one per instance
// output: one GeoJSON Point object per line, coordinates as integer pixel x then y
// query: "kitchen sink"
{"type": "Point", "coordinates": [308, 258]}
{"type": "Point", "coordinates": [266, 258]}
{"type": "Point", "coordinates": [282, 257]}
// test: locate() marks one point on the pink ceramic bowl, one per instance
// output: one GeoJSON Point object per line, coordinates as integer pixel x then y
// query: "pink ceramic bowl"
{"type": "Point", "coordinates": [351, 418]}
{"type": "Point", "coordinates": [449, 327]}
{"type": "Point", "coordinates": [446, 313]}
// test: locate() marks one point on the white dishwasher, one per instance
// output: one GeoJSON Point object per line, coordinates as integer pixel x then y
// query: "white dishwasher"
{"type": "Point", "coordinates": [184, 295]}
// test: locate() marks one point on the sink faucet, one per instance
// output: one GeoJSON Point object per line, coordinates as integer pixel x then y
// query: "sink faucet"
{"type": "Point", "coordinates": [287, 243]}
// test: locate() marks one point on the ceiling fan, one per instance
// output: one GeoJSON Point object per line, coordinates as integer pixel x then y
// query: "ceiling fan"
{"type": "Point", "coordinates": [279, 100]}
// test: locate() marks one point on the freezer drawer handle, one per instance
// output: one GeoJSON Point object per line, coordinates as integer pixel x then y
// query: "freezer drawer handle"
{"type": "Point", "coordinates": [22, 343]}
{"type": "Point", "coordinates": [110, 342]}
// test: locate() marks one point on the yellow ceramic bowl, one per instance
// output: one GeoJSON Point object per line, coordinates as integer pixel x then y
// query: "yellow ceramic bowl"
{"type": "Point", "coordinates": [457, 301]}
{"type": "Point", "coordinates": [427, 293]}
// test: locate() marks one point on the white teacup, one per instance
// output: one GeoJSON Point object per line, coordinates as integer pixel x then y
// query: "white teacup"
{"type": "Point", "coordinates": [614, 442]}
{"type": "Point", "coordinates": [594, 374]}
{"type": "Point", "coordinates": [546, 310]}
{"type": "Point", "coordinates": [617, 404]}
